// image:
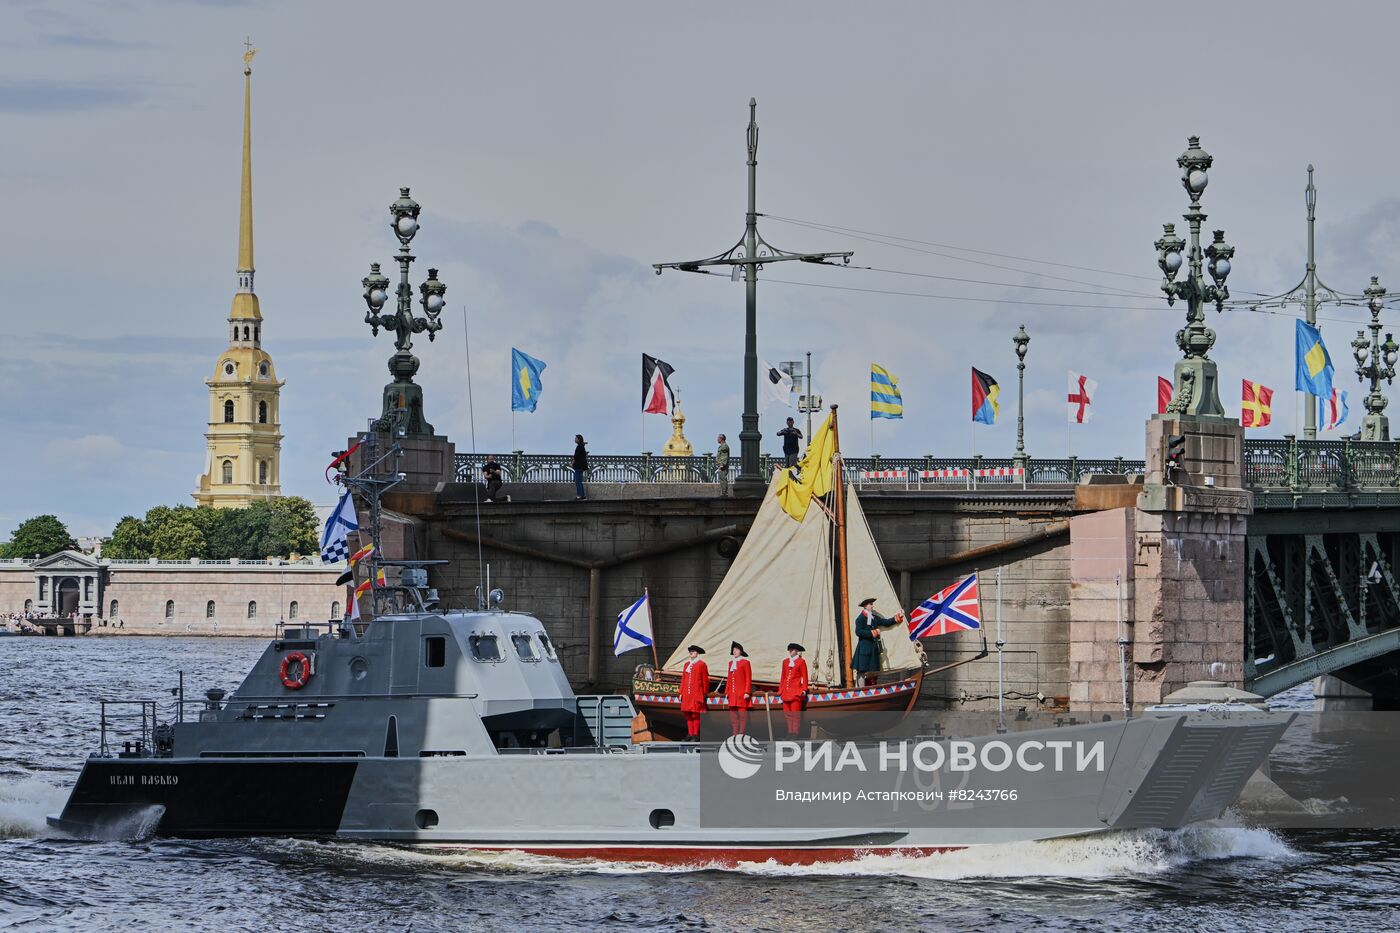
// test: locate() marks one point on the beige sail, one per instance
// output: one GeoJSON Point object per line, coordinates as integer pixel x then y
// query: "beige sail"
{"type": "Point", "coordinates": [778, 590]}
{"type": "Point", "coordinates": [868, 577]}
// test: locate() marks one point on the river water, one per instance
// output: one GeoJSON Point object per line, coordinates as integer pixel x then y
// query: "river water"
{"type": "Point", "coordinates": [1214, 878]}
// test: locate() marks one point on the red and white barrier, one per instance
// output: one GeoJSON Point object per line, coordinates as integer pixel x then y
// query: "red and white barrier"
{"type": "Point", "coordinates": [1002, 471]}
{"type": "Point", "coordinates": [942, 474]}
{"type": "Point", "coordinates": [884, 474]}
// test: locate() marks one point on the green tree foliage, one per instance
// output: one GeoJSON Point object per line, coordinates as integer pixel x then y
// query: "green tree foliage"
{"type": "Point", "coordinates": [129, 540]}
{"type": "Point", "coordinates": [42, 535]}
{"type": "Point", "coordinates": [177, 538]}
{"type": "Point", "coordinates": [276, 528]}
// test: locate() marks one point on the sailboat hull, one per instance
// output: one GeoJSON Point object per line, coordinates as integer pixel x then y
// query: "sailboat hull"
{"type": "Point", "coordinates": [834, 710]}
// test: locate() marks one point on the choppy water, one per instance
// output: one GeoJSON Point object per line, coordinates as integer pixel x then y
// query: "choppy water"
{"type": "Point", "coordinates": [1219, 878]}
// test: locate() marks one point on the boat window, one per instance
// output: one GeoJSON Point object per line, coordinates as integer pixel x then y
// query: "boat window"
{"type": "Point", "coordinates": [434, 651]}
{"type": "Point", "coordinates": [548, 646]}
{"type": "Point", "coordinates": [485, 647]}
{"type": "Point", "coordinates": [524, 647]}
{"type": "Point", "coordinates": [660, 819]}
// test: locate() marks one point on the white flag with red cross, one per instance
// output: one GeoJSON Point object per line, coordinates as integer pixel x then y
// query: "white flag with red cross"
{"type": "Point", "coordinates": [1082, 390]}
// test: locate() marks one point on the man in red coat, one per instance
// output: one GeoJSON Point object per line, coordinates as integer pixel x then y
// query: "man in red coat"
{"type": "Point", "coordinates": [738, 689]}
{"type": "Point", "coordinates": [695, 687]}
{"type": "Point", "coordinates": [792, 687]}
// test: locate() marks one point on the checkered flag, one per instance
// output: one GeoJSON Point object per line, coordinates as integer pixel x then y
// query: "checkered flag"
{"type": "Point", "coordinates": [334, 544]}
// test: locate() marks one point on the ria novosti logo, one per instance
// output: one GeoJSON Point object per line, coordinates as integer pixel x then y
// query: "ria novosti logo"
{"type": "Point", "coordinates": [741, 757]}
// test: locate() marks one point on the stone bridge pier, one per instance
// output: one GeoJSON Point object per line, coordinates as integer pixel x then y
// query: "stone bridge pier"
{"type": "Point", "coordinates": [1157, 592]}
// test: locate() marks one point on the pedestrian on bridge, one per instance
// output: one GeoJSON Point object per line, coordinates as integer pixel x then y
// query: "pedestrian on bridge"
{"type": "Point", "coordinates": [722, 465]}
{"type": "Point", "coordinates": [792, 439]}
{"type": "Point", "coordinates": [580, 466]}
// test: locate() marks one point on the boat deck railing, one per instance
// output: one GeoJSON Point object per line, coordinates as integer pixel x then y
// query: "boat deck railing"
{"type": "Point", "coordinates": [130, 723]}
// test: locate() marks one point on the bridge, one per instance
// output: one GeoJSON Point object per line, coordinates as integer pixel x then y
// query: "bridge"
{"type": "Point", "coordinates": [1321, 544]}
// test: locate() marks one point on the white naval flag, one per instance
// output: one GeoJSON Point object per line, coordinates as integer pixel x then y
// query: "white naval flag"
{"type": "Point", "coordinates": [633, 627]}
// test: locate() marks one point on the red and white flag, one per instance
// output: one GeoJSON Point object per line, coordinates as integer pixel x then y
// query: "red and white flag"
{"type": "Point", "coordinates": [657, 397]}
{"type": "Point", "coordinates": [1164, 394]}
{"type": "Point", "coordinates": [1082, 390]}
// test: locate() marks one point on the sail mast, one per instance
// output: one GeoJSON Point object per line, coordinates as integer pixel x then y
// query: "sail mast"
{"type": "Point", "coordinates": [843, 596]}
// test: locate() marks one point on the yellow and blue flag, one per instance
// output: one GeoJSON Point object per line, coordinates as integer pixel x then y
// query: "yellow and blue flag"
{"type": "Point", "coordinates": [985, 393]}
{"type": "Point", "coordinates": [885, 400]}
{"type": "Point", "coordinates": [1314, 364]}
{"type": "Point", "coordinates": [525, 384]}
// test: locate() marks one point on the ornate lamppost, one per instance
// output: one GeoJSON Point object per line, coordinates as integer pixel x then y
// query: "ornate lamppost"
{"type": "Point", "coordinates": [1022, 341]}
{"type": "Point", "coordinates": [1375, 361]}
{"type": "Point", "coordinates": [1195, 375]}
{"type": "Point", "coordinates": [403, 399]}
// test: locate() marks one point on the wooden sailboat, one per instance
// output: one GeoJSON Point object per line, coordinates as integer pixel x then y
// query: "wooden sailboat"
{"type": "Point", "coordinates": [792, 582]}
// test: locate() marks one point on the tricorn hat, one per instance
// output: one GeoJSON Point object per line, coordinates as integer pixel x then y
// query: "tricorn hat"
{"type": "Point", "coordinates": [869, 600]}
{"type": "Point", "coordinates": [696, 648]}
{"type": "Point", "coordinates": [742, 652]}
{"type": "Point", "coordinates": [794, 646]}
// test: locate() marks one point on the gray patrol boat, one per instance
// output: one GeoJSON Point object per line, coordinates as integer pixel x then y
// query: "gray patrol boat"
{"type": "Point", "coordinates": [459, 728]}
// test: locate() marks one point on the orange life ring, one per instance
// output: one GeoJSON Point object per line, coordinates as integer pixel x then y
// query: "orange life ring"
{"type": "Point", "coordinates": [303, 675]}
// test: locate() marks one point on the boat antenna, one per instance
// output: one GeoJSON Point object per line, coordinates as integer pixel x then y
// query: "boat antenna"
{"type": "Point", "coordinates": [374, 480]}
{"type": "Point", "coordinates": [481, 591]}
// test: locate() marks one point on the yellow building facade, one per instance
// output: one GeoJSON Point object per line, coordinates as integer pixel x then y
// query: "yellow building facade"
{"type": "Point", "coordinates": [244, 439]}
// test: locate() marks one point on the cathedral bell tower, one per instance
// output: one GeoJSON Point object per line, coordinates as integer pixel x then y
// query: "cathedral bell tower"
{"type": "Point", "coordinates": [244, 437]}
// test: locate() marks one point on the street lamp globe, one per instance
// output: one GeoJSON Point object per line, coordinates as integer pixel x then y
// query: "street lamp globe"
{"type": "Point", "coordinates": [1169, 249]}
{"type": "Point", "coordinates": [1391, 349]}
{"type": "Point", "coordinates": [1194, 163]}
{"type": "Point", "coordinates": [1022, 340]}
{"type": "Point", "coordinates": [376, 288]}
{"type": "Point", "coordinates": [433, 291]}
{"type": "Point", "coordinates": [1360, 348]}
{"type": "Point", "coordinates": [405, 211]}
{"type": "Point", "coordinates": [1219, 253]}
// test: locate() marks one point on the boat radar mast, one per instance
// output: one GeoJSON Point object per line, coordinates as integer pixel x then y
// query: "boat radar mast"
{"type": "Point", "coordinates": [379, 474]}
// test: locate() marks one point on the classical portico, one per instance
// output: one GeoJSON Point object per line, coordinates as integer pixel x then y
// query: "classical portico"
{"type": "Point", "coordinates": [68, 583]}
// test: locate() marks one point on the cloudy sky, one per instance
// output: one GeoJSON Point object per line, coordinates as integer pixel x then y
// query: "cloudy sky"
{"type": "Point", "coordinates": [559, 149]}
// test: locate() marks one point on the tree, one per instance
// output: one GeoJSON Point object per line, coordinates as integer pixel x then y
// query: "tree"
{"type": "Point", "coordinates": [177, 537]}
{"type": "Point", "coordinates": [129, 540]}
{"type": "Point", "coordinates": [42, 535]}
{"type": "Point", "coordinates": [292, 528]}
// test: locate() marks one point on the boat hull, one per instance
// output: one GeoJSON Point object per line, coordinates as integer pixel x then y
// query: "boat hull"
{"type": "Point", "coordinates": [836, 711]}
{"type": "Point", "coordinates": [677, 808]}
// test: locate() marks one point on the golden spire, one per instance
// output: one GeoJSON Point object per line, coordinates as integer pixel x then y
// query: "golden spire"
{"type": "Point", "coordinates": [245, 302]}
{"type": "Point", "coordinates": [677, 445]}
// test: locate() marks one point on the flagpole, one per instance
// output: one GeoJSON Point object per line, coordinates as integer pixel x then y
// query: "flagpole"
{"type": "Point", "coordinates": [513, 447]}
{"type": "Point", "coordinates": [1001, 664]}
{"type": "Point", "coordinates": [655, 662]}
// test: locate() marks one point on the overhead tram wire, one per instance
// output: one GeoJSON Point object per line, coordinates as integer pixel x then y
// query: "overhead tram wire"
{"type": "Point", "coordinates": [961, 249]}
{"type": "Point", "coordinates": [886, 241]}
{"type": "Point", "coordinates": [883, 240]}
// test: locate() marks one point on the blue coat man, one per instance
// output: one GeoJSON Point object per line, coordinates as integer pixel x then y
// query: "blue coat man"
{"type": "Point", "coordinates": [865, 662]}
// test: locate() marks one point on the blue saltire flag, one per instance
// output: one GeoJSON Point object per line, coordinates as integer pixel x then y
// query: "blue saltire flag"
{"type": "Point", "coordinates": [633, 626]}
{"type": "Point", "coordinates": [525, 386]}
{"type": "Point", "coordinates": [1314, 364]}
{"type": "Point", "coordinates": [955, 608]}
{"type": "Point", "coordinates": [341, 521]}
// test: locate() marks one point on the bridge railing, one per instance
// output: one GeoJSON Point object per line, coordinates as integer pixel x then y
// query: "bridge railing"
{"type": "Point", "coordinates": [521, 467]}
{"type": "Point", "coordinates": [1271, 464]}
{"type": "Point", "coordinates": [1332, 466]}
